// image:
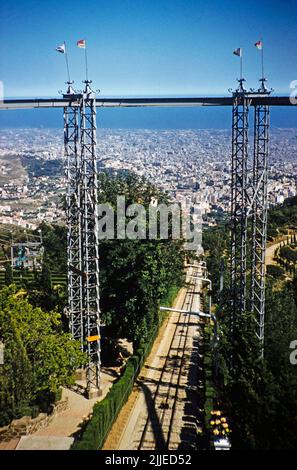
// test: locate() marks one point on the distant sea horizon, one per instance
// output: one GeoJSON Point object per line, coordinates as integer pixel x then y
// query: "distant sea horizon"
{"type": "Point", "coordinates": [146, 118]}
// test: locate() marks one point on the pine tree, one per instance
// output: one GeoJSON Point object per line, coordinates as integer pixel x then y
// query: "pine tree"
{"type": "Point", "coordinates": [45, 279]}
{"type": "Point", "coordinates": [8, 274]}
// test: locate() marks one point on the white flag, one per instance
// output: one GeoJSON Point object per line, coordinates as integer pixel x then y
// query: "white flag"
{"type": "Point", "coordinates": [61, 48]}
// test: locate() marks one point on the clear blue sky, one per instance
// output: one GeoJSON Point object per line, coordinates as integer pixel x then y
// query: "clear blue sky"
{"type": "Point", "coordinates": [146, 47]}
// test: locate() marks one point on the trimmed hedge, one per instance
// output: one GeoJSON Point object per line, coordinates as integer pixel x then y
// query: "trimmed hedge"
{"type": "Point", "coordinates": [29, 276]}
{"type": "Point", "coordinates": [106, 411]}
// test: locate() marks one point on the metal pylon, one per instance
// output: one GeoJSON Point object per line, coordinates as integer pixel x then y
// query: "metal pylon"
{"type": "Point", "coordinates": [82, 235]}
{"type": "Point", "coordinates": [74, 266]}
{"type": "Point", "coordinates": [259, 218]}
{"type": "Point", "coordinates": [239, 200]}
{"type": "Point", "coordinates": [89, 236]}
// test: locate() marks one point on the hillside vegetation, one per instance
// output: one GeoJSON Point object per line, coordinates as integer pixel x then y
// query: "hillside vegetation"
{"type": "Point", "coordinates": [135, 277]}
{"type": "Point", "coordinates": [259, 396]}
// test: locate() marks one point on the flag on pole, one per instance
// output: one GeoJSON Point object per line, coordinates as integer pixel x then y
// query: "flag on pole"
{"type": "Point", "coordinates": [259, 45]}
{"type": "Point", "coordinates": [61, 49]}
{"type": "Point", "coordinates": [238, 52]}
{"type": "Point", "coordinates": [81, 43]}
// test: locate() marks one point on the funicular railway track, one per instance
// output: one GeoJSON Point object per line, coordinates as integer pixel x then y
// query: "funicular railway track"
{"type": "Point", "coordinates": [162, 428]}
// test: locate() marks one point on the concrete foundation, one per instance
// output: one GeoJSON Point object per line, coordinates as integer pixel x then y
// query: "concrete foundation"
{"type": "Point", "coordinates": [94, 393]}
{"type": "Point", "coordinates": [80, 374]}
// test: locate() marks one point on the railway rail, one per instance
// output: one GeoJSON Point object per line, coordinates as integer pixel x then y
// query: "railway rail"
{"type": "Point", "coordinates": [168, 425]}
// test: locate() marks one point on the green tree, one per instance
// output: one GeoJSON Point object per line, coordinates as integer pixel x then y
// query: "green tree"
{"type": "Point", "coordinates": [54, 239]}
{"type": "Point", "coordinates": [38, 359]}
{"type": "Point", "coordinates": [8, 274]}
{"type": "Point", "coordinates": [46, 279]}
{"type": "Point", "coordinates": [16, 379]}
{"type": "Point", "coordinates": [135, 274]}
{"type": "Point", "coordinates": [41, 292]}
{"type": "Point", "coordinates": [258, 395]}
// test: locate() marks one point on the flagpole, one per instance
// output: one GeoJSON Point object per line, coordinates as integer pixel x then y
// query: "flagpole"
{"type": "Point", "coordinates": [241, 69]}
{"type": "Point", "coordinates": [86, 61]}
{"type": "Point", "coordinates": [241, 65]}
{"type": "Point", "coordinates": [262, 59]}
{"type": "Point", "coordinates": [67, 64]}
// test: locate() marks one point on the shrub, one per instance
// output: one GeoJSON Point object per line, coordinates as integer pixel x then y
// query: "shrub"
{"type": "Point", "coordinates": [275, 271]}
{"type": "Point", "coordinates": [106, 411]}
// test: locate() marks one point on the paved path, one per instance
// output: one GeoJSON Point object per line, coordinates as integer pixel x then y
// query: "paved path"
{"type": "Point", "coordinates": [271, 249]}
{"type": "Point", "coordinates": [44, 443]}
{"type": "Point", "coordinates": [10, 445]}
{"type": "Point", "coordinates": [64, 425]}
{"type": "Point", "coordinates": [270, 253]}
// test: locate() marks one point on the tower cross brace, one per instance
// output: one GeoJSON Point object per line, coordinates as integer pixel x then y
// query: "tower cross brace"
{"type": "Point", "coordinates": [249, 203]}
{"type": "Point", "coordinates": [82, 235]}
{"type": "Point", "coordinates": [259, 218]}
{"type": "Point", "coordinates": [239, 198]}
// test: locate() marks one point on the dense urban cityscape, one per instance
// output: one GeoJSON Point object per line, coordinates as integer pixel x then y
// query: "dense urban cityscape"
{"type": "Point", "coordinates": [189, 165]}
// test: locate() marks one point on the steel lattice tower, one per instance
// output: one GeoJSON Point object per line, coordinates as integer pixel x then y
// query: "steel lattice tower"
{"type": "Point", "coordinates": [259, 216]}
{"type": "Point", "coordinates": [89, 235]}
{"type": "Point", "coordinates": [239, 200]}
{"type": "Point", "coordinates": [73, 214]}
{"type": "Point", "coordinates": [249, 202]}
{"type": "Point", "coordinates": [82, 237]}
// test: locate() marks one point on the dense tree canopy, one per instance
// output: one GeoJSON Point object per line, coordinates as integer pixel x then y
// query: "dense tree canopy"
{"type": "Point", "coordinates": [259, 396]}
{"type": "Point", "coordinates": [54, 240]}
{"type": "Point", "coordinates": [284, 214]}
{"type": "Point", "coordinates": [38, 357]}
{"type": "Point", "coordinates": [135, 274]}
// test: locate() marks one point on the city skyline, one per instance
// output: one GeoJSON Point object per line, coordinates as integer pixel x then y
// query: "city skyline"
{"type": "Point", "coordinates": [185, 164]}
